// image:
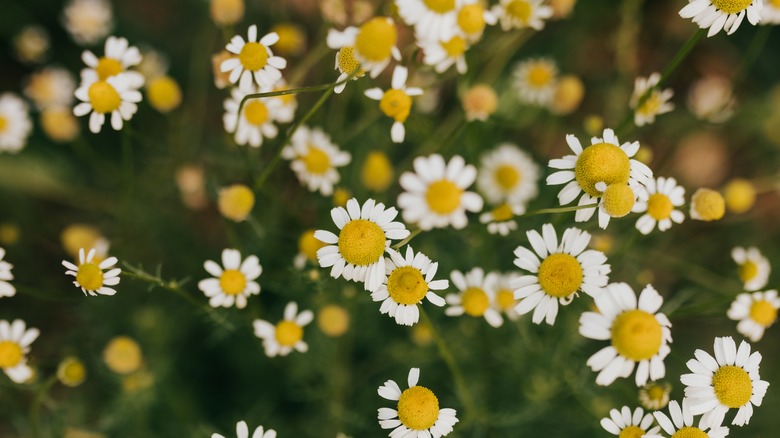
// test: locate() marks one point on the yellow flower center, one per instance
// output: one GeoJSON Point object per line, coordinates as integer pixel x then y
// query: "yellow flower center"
{"type": "Point", "coordinates": [253, 56]}
{"type": "Point", "coordinates": [90, 276]}
{"type": "Point", "coordinates": [377, 171]}
{"type": "Point", "coordinates": [507, 176]}
{"type": "Point", "coordinates": [618, 200]}
{"type": "Point", "coordinates": [333, 320]}
{"type": "Point", "coordinates": [502, 213]}
{"type": "Point", "coordinates": [636, 335]}
{"type": "Point", "coordinates": [316, 161]}
{"type": "Point", "coordinates": [236, 202]}
{"type": "Point", "coordinates": [232, 282]}
{"type": "Point", "coordinates": [308, 245]}
{"type": "Point", "coordinates": [709, 204]}
{"type": "Point", "coordinates": [505, 299]}
{"type": "Point", "coordinates": [440, 6]}
{"type": "Point", "coordinates": [288, 333]}
{"type": "Point", "coordinates": [763, 312]}
{"type": "Point", "coordinates": [631, 432]}
{"type": "Point", "coordinates": [396, 104]}
{"type": "Point", "coordinates": [418, 408]}
{"type": "Point", "coordinates": [740, 193]}
{"type": "Point", "coordinates": [471, 19]}
{"type": "Point", "coordinates": [656, 392]}
{"type": "Point", "coordinates": [732, 6]}
{"type": "Point", "coordinates": [748, 271]}
{"type": "Point", "coordinates": [108, 67]}
{"type": "Point", "coordinates": [690, 432]}
{"type": "Point", "coordinates": [475, 301]}
{"type": "Point", "coordinates": [519, 10]}
{"type": "Point", "coordinates": [376, 38]}
{"type": "Point", "coordinates": [123, 355]}
{"type": "Point", "coordinates": [540, 75]}
{"type": "Point", "coordinates": [443, 196]}
{"type": "Point", "coordinates": [454, 47]}
{"type": "Point", "coordinates": [659, 206]}
{"type": "Point", "coordinates": [651, 105]}
{"type": "Point", "coordinates": [361, 242]}
{"type": "Point", "coordinates": [3, 123]}
{"type": "Point", "coordinates": [103, 97]}
{"type": "Point", "coordinates": [164, 93]}
{"type": "Point", "coordinates": [732, 385]}
{"type": "Point", "coordinates": [406, 285]}
{"type": "Point", "coordinates": [256, 112]}
{"type": "Point", "coordinates": [775, 3]}
{"type": "Point", "coordinates": [601, 162]}
{"type": "Point", "coordinates": [560, 275]}
{"type": "Point", "coordinates": [71, 372]}
{"type": "Point", "coordinates": [348, 63]}
{"type": "Point", "coordinates": [10, 354]}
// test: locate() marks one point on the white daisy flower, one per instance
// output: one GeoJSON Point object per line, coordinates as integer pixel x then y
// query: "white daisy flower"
{"type": "Point", "coordinates": [755, 313]}
{"type": "Point", "coordinates": [722, 14]}
{"type": "Point", "coordinates": [51, 87]}
{"type": "Point", "coordinates": [505, 296]}
{"type": "Point", "coordinates": [442, 54]}
{"type": "Point", "coordinates": [435, 195]}
{"type": "Point", "coordinates": [500, 220]}
{"type": "Point", "coordinates": [15, 343]}
{"type": "Point", "coordinates": [346, 63]}
{"type": "Point", "coordinates": [287, 334]}
{"type": "Point", "coordinates": [472, 18]}
{"type": "Point", "coordinates": [114, 96]}
{"type": "Point", "coordinates": [235, 283]}
{"type": "Point", "coordinates": [257, 116]}
{"type": "Point", "coordinates": [88, 21]}
{"type": "Point", "coordinates": [730, 380]}
{"type": "Point", "coordinates": [6, 288]}
{"type": "Point", "coordinates": [372, 44]}
{"type": "Point", "coordinates": [315, 159]}
{"type": "Point", "coordinates": [638, 332]}
{"type": "Point", "coordinates": [559, 272]}
{"type": "Point", "coordinates": [624, 423]}
{"type": "Point", "coordinates": [408, 281]}
{"type": "Point", "coordinates": [655, 395]}
{"type": "Point", "coordinates": [255, 62]}
{"type": "Point", "coordinates": [770, 14]}
{"type": "Point", "coordinates": [659, 208]}
{"type": "Point", "coordinates": [357, 252]}
{"type": "Point", "coordinates": [536, 81]}
{"type": "Point", "coordinates": [477, 296]}
{"type": "Point", "coordinates": [657, 102]}
{"type": "Point", "coordinates": [519, 14]}
{"type": "Point", "coordinates": [285, 111]}
{"type": "Point", "coordinates": [119, 57]}
{"type": "Point", "coordinates": [432, 19]}
{"type": "Point", "coordinates": [711, 98]}
{"type": "Point", "coordinates": [754, 268]}
{"type": "Point", "coordinates": [396, 102]}
{"type": "Point", "coordinates": [681, 423]}
{"type": "Point", "coordinates": [15, 123]}
{"type": "Point", "coordinates": [242, 431]}
{"type": "Point", "coordinates": [90, 275]}
{"type": "Point", "coordinates": [591, 170]}
{"type": "Point", "coordinates": [417, 414]}
{"type": "Point", "coordinates": [508, 174]}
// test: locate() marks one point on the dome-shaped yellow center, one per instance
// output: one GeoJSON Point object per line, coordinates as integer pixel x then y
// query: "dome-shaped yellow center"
{"type": "Point", "coordinates": [519, 10]}
{"type": "Point", "coordinates": [601, 162]}
{"type": "Point", "coordinates": [443, 196]}
{"type": "Point", "coordinates": [708, 204]}
{"type": "Point", "coordinates": [748, 271]}
{"type": "Point", "coordinates": [502, 213]}
{"type": "Point", "coordinates": [10, 354]}
{"type": "Point", "coordinates": [108, 67]}
{"type": "Point", "coordinates": [740, 193]}
{"type": "Point", "coordinates": [775, 3]}
{"type": "Point", "coordinates": [732, 385]}
{"type": "Point", "coordinates": [732, 6]}
{"type": "Point", "coordinates": [475, 301]}
{"type": "Point", "coordinates": [763, 312]}
{"type": "Point", "coordinates": [636, 335]}
{"type": "Point", "coordinates": [507, 176]}
{"type": "Point", "coordinates": [288, 333]}
{"type": "Point", "coordinates": [256, 112]}
{"type": "Point", "coordinates": [361, 242]}
{"type": "Point", "coordinates": [471, 19]}
{"type": "Point", "coordinates": [406, 285]}
{"type": "Point", "coordinates": [316, 161]}
{"type": "Point", "coordinates": [90, 276]}
{"type": "Point", "coordinates": [3, 123]}
{"type": "Point", "coordinates": [631, 432]}
{"type": "Point", "coordinates": [123, 355]}
{"type": "Point", "coordinates": [236, 202]}
{"type": "Point", "coordinates": [659, 206]}
{"type": "Point", "coordinates": [440, 6]}
{"type": "Point", "coordinates": [377, 173]}
{"type": "Point", "coordinates": [455, 47]}
{"type": "Point", "coordinates": [347, 62]}
{"type": "Point", "coordinates": [308, 245]}
{"type": "Point", "coordinates": [253, 56]}
{"type": "Point", "coordinates": [232, 282]}
{"type": "Point", "coordinates": [418, 408]}
{"type": "Point", "coordinates": [652, 105]}
{"type": "Point", "coordinates": [103, 97]}
{"type": "Point", "coordinates": [560, 275]}
{"type": "Point", "coordinates": [540, 75]}
{"type": "Point", "coordinates": [618, 200]}
{"type": "Point", "coordinates": [164, 94]}
{"type": "Point", "coordinates": [376, 38]}
{"type": "Point", "coordinates": [690, 432]}
{"type": "Point", "coordinates": [505, 299]}
{"type": "Point", "coordinates": [333, 320]}
{"type": "Point", "coordinates": [396, 104]}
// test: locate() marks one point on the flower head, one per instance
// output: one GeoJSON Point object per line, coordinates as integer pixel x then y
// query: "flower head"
{"type": "Point", "coordinates": [308, 245]}
{"type": "Point", "coordinates": [480, 102]}
{"type": "Point", "coordinates": [234, 283]}
{"type": "Point", "coordinates": [254, 62]}
{"type": "Point", "coordinates": [722, 14]}
{"type": "Point", "coordinates": [118, 57]}
{"type": "Point", "coordinates": [476, 296]}
{"type": "Point", "coordinates": [536, 80]}
{"type": "Point", "coordinates": [500, 220]}
{"type": "Point", "coordinates": [396, 102]}
{"type": "Point", "coordinates": [432, 19]}
{"type": "Point", "coordinates": [115, 95]}
{"type": "Point", "coordinates": [88, 21]}
{"type": "Point", "coordinates": [707, 205]}
{"type": "Point", "coordinates": [15, 342]}
{"type": "Point", "coordinates": [90, 275]}
{"type": "Point", "coordinates": [287, 334]}
{"type": "Point", "coordinates": [754, 268]}
{"type": "Point", "coordinates": [659, 208]}
{"type": "Point", "coordinates": [624, 423]}
{"type": "Point", "coordinates": [123, 355]}
{"type": "Point", "coordinates": [71, 372]}
{"type": "Point", "coordinates": [508, 175]}
{"type": "Point", "coordinates": [51, 87]}
{"type": "Point", "coordinates": [242, 431]}
{"type": "Point", "coordinates": [370, 46]}
{"type": "Point", "coordinates": [519, 14]}
{"type": "Point", "coordinates": [681, 423]}
{"type": "Point", "coordinates": [6, 288]}
{"type": "Point", "coordinates": [15, 123]}
{"type": "Point", "coordinates": [755, 313]}
{"type": "Point", "coordinates": [235, 202]}
{"type": "Point", "coordinates": [257, 117]}
{"type": "Point", "coordinates": [654, 396]}
{"type": "Point", "coordinates": [656, 102]}
{"type": "Point", "coordinates": [315, 159]}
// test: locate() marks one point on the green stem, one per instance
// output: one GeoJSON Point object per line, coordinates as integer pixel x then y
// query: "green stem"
{"type": "Point", "coordinates": [127, 161]}
{"type": "Point", "coordinates": [35, 408]}
{"type": "Point", "coordinates": [559, 209]}
{"type": "Point", "coordinates": [408, 239]}
{"type": "Point", "coordinates": [751, 54]}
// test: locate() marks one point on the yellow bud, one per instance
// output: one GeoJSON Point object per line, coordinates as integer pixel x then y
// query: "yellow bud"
{"type": "Point", "coordinates": [333, 320]}
{"type": "Point", "coordinates": [480, 102]}
{"type": "Point", "coordinates": [164, 94]}
{"type": "Point", "coordinates": [9, 234]}
{"type": "Point", "coordinates": [123, 355]}
{"type": "Point", "coordinates": [707, 205]}
{"type": "Point", "coordinates": [341, 196]}
{"type": "Point", "coordinates": [227, 12]}
{"type": "Point", "coordinates": [71, 372]}
{"type": "Point", "coordinates": [292, 39]}
{"type": "Point", "coordinates": [236, 202]}
{"type": "Point", "coordinates": [377, 172]}
{"type": "Point", "coordinates": [59, 124]}
{"type": "Point", "coordinates": [593, 124]}
{"type": "Point", "coordinates": [740, 195]}
{"type": "Point", "coordinates": [568, 95]}
{"type": "Point", "coordinates": [77, 236]}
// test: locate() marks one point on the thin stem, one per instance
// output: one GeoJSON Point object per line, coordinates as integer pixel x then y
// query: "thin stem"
{"type": "Point", "coordinates": [35, 408]}
{"type": "Point", "coordinates": [127, 161]}
{"type": "Point", "coordinates": [407, 240]}
{"type": "Point", "coordinates": [559, 209]}
{"type": "Point", "coordinates": [751, 54]}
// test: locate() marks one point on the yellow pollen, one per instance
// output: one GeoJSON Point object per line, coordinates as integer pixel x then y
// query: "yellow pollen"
{"type": "Point", "coordinates": [507, 177]}
{"type": "Point", "coordinates": [601, 162]}
{"type": "Point", "coordinates": [659, 206]}
{"type": "Point", "coordinates": [443, 197]}
{"type": "Point", "coordinates": [636, 335]}
{"type": "Point", "coordinates": [540, 75]}
{"type": "Point", "coordinates": [288, 333]}
{"type": "Point", "coordinates": [471, 19]}
{"type": "Point", "coordinates": [377, 173]}
{"type": "Point", "coordinates": [631, 432]}
{"type": "Point", "coordinates": [775, 3]}
{"type": "Point", "coordinates": [396, 104]}
{"type": "Point", "coordinates": [308, 245]}
{"type": "Point", "coordinates": [708, 204]}
{"type": "Point", "coordinates": [732, 385]}
{"type": "Point", "coordinates": [361, 242]}
{"type": "Point", "coordinates": [103, 97]}
{"type": "Point", "coordinates": [748, 271]}
{"type": "Point", "coordinates": [376, 38]}
{"type": "Point", "coordinates": [316, 161]}
{"type": "Point", "coordinates": [732, 6]}
{"type": "Point", "coordinates": [108, 67]}
{"type": "Point", "coordinates": [10, 354]}
{"type": "Point", "coordinates": [418, 408]}
{"type": "Point", "coordinates": [505, 299]}
{"type": "Point", "coordinates": [560, 275]}
{"type": "Point", "coordinates": [454, 47]}
{"type": "Point", "coordinates": [763, 312]}
{"type": "Point", "coordinates": [253, 56]}
{"type": "Point", "coordinates": [474, 301]}
{"type": "Point", "coordinates": [348, 63]}
{"type": "Point", "coordinates": [690, 432]}
{"type": "Point", "coordinates": [520, 10]}
{"type": "Point", "coordinates": [440, 6]}
{"type": "Point", "coordinates": [3, 123]}
{"type": "Point", "coordinates": [618, 200]}
{"type": "Point", "coordinates": [256, 112]}
{"type": "Point", "coordinates": [164, 94]}
{"type": "Point", "coordinates": [502, 213]}
{"type": "Point", "coordinates": [90, 276]}
{"type": "Point", "coordinates": [406, 285]}
{"type": "Point", "coordinates": [232, 282]}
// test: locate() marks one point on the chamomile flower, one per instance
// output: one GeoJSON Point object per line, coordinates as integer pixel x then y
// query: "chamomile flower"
{"type": "Point", "coordinates": [591, 170]}
{"type": "Point", "coordinates": [500, 220]}
{"type": "Point", "coordinates": [655, 395]}
{"type": "Point", "coordinates": [519, 14]}
{"type": "Point", "coordinates": [257, 117]}
{"type": "Point", "coordinates": [88, 21]}
{"type": "Point", "coordinates": [372, 44]}
{"type": "Point", "coordinates": [287, 334]}
{"type": "Point", "coordinates": [476, 297]}
{"type": "Point", "coordinates": [308, 245]}
{"type": "Point", "coordinates": [443, 54]}
{"type": "Point", "coordinates": [50, 87]}
{"type": "Point", "coordinates": [417, 414]}
{"type": "Point", "coordinates": [707, 205]}
{"type": "Point", "coordinates": [115, 96]}
{"type": "Point", "coordinates": [15, 340]}
{"type": "Point", "coordinates": [15, 123]}
{"type": "Point", "coordinates": [118, 58]}
{"type": "Point", "coordinates": [254, 61]}
{"type": "Point", "coordinates": [659, 208]}
{"type": "Point", "coordinates": [234, 283]}
{"type": "Point", "coordinates": [472, 18]}
{"type": "Point", "coordinates": [754, 268]}
{"type": "Point", "coordinates": [90, 275]}
{"type": "Point", "coordinates": [396, 102]}
{"type": "Point", "coordinates": [505, 301]}
{"type": "Point", "coordinates": [435, 195]}
{"type": "Point", "coordinates": [722, 14]}
{"type": "Point", "coordinates": [6, 288]}
{"type": "Point", "coordinates": [285, 111]}
{"type": "Point", "coordinates": [755, 313]}
{"type": "Point", "coordinates": [315, 159]}
{"type": "Point", "coordinates": [656, 103]}
{"type": "Point", "coordinates": [535, 80]}
{"type": "Point", "coordinates": [681, 423]}
{"type": "Point", "coordinates": [638, 332]}
{"type": "Point", "coordinates": [409, 280]}
{"type": "Point", "coordinates": [770, 14]}
{"type": "Point", "coordinates": [617, 200]}
{"type": "Point", "coordinates": [558, 271]}
{"type": "Point", "coordinates": [730, 380]}
{"type": "Point", "coordinates": [357, 252]}
{"type": "Point", "coordinates": [625, 423]}
{"type": "Point", "coordinates": [347, 65]}
{"type": "Point", "coordinates": [242, 431]}
{"type": "Point", "coordinates": [431, 19]}
{"type": "Point", "coordinates": [508, 174]}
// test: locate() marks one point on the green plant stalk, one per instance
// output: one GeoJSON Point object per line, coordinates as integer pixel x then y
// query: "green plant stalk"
{"type": "Point", "coordinates": [35, 408]}
{"type": "Point", "coordinates": [408, 239]}
{"type": "Point", "coordinates": [558, 210]}
{"type": "Point", "coordinates": [751, 54]}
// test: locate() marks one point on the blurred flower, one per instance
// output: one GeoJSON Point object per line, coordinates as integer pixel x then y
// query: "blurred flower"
{"type": "Point", "coordinates": [52, 86]}
{"type": "Point", "coordinates": [254, 62]}
{"type": "Point", "coordinates": [373, 45]}
{"type": "Point", "coordinates": [346, 63]}
{"type": "Point", "coordinates": [88, 21]}
{"type": "Point", "coordinates": [71, 372]}
{"type": "Point", "coordinates": [659, 208]}
{"type": "Point", "coordinates": [137, 380]}
{"type": "Point", "coordinates": [287, 335]}
{"type": "Point", "coordinates": [421, 334]}
{"type": "Point", "coordinates": [59, 124]}
{"type": "Point", "coordinates": [707, 205]}
{"type": "Point", "coordinates": [508, 175]}
{"type": "Point", "coordinates": [500, 220]}
{"type": "Point", "coordinates": [242, 431]}
{"type": "Point", "coordinates": [479, 102]}
{"type": "Point", "coordinates": [90, 276]}
{"type": "Point", "coordinates": [9, 233]}
{"type": "Point", "coordinates": [472, 18]}
{"type": "Point", "coordinates": [226, 12]}
{"type": "Point", "coordinates": [655, 395]}
{"type": "Point", "coordinates": [119, 57]}
{"type": "Point", "coordinates": [722, 14]}
{"type": "Point", "coordinates": [519, 14]}
{"type": "Point", "coordinates": [702, 159]}
{"type": "Point", "coordinates": [338, 12]}
{"type": "Point", "coordinates": [755, 312]}
{"type": "Point", "coordinates": [123, 355]}
{"type": "Point", "coordinates": [308, 245]}
{"type": "Point", "coordinates": [221, 79]}
{"type": "Point", "coordinates": [377, 172]}
{"type": "Point", "coordinates": [644, 154]}
{"type": "Point", "coordinates": [72, 432]}
{"type": "Point", "coordinates": [15, 123]}
{"type": "Point", "coordinates": [770, 14]}
{"type": "Point", "coordinates": [754, 268]}
{"type": "Point", "coordinates": [568, 95]}
{"type": "Point", "coordinates": [31, 44]}
{"type": "Point", "coordinates": [315, 159]}
{"type": "Point", "coordinates": [624, 423]}
{"type": "Point", "coordinates": [432, 20]}
{"type": "Point", "coordinates": [711, 98]}
{"type": "Point", "coordinates": [682, 423]}
{"type": "Point", "coordinates": [333, 320]}
{"type": "Point", "coordinates": [476, 296]}
{"type": "Point", "coordinates": [740, 195]}
{"type": "Point", "coordinates": [163, 94]}
{"type": "Point", "coordinates": [284, 112]}
{"type": "Point", "coordinates": [15, 342]}
{"type": "Point", "coordinates": [417, 412]}
{"type": "Point", "coordinates": [341, 196]}
{"type": "Point", "coordinates": [235, 283]}
{"type": "Point", "coordinates": [236, 202]}
{"type": "Point", "coordinates": [115, 96]}
{"type": "Point", "coordinates": [593, 124]}
{"type": "Point", "coordinates": [396, 102]}
{"type": "Point", "coordinates": [153, 63]}
{"type": "Point", "coordinates": [190, 180]}
{"type": "Point", "coordinates": [656, 103]}
{"type": "Point", "coordinates": [562, 8]}
{"type": "Point", "coordinates": [77, 236]}
{"type": "Point", "coordinates": [292, 39]}
{"type": "Point", "coordinates": [257, 117]}
{"type": "Point", "coordinates": [441, 54]}
{"type": "Point", "coordinates": [6, 288]}
{"type": "Point", "coordinates": [505, 296]}
{"type": "Point", "coordinates": [535, 80]}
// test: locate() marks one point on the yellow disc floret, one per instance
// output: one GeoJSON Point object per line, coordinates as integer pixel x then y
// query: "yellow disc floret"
{"type": "Point", "coordinates": [502, 213]}
{"type": "Point", "coordinates": [236, 202]}
{"type": "Point", "coordinates": [631, 432]}
{"type": "Point", "coordinates": [376, 39]}
{"type": "Point", "coordinates": [748, 271]}
{"type": "Point", "coordinates": [103, 97]}
{"type": "Point", "coordinates": [707, 205]}
{"type": "Point", "coordinates": [396, 104]}
{"type": "Point", "coordinates": [3, 123]}
{"type": "Point", "coordinates": [618, 200]}
{"type": "Point", "coordinates": [505, 299]}
{"type": "Point", "coordinates": [10, 354]}
{"type": "Point", "coordinates": [90, 276]}
{"type": "Point", "coordinates": [690, 432]}
{"type": "Point", "coordinates": [443, 196]}
{"type": "Point", "coordinates": [377, 173]}
{"type": "Point", "coordinates": [732, 6]}
{"type": "Point", "coordinates": [540, 75]}
{"type": "Point", "coordinates": [601, 162]}
{"type": "Point", "coordinates": [108, 67]}
{"type": "Point", "coordinates": [232, 282]}
{"type": "Point", "coordinates": [418, 408]}
{"type": "Point", "coordinates": [347, 62]}
{"type": "Point", "coordinates": [733, 386]}
{"type": "Point", "coordinates": [507, 176]}
{"type": "Point", "coordinates": [288, 333]}
{"type": "Point", "coordinates": [253, 56]}
{"type": "Point", "coordinates": [406, 285]}
{"type": "Point", "coordinates": [763, 312]}
{"type": "Point", "coordinates": [519, 10]}
{"type": "Point", "coordinates": [455, 47]}
{"type": "Point", "coordinates": [560, 275]}
{"type": "Point", "coordinates": [361, 242]}
{"type": "Point", "coordinates": [123, 355]}
{"type": "Point", "coordinates": [316, 161]}
{"type": "Point", "coordinates": [636, 335]}
{"type": "Point", "coordinates": [164, 94]}
{"type": "Point", "coordinates": [255, 112]}
{"type": "Point", "coordinates": [440, 6]}
{"type": "Point", "coordinates": [659, 206]}
{"type": "Point", "coordinates": [308, 245]}
{"type": "Point", "coordinates": [475, 301]}
{"type": "Point", "coordinates": [471, 19]}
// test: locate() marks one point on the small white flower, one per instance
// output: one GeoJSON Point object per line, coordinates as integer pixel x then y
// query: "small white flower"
{"type": "Point", "coordinates": [15, 343]}
{"type": "Point", "coordinates": [372, 46]}
{"type": "Point", "coordinates": [663, 196]}
{"type": "Point", "coordinates": [755, 313]}
{"type": "Point", "coordinates": [234, 283]}
{"type": "Point", "coordinates": [90, 276]}
{"type": "Point", "coordinates": [500, 220]}
{"type": "Point", "coordinates": [315, 159]}
{"type": "Point", "coordinates": [508, 174]}
{"type": "Point", "coordinates": [477, 296]}
{"type": "Point", "coordinates": [118, 57]}
{"type": "Point", "coordinates": [287, 335]}
{"type": "Point", "coordinates": [257, 118]}
{"type": "Point", "coordinates": [242, 431]}
{"type": "Point", "coordinates": [656, 103]}
{"type": "Point", "coordinates": [519, 14]}
{"type": "Point", "coordinates": [88, 21]}
{"type": "Point", "coordinates": [711, 98]}
{"type": "Point", "coordinates": [15, 123]}
{"type": "Point", "coordinates": [682, 419]}
{"type": "Point", "coordinates": [722, 14]}
{"type": "Point", "coordinates": [6, 288]}
{"type": "Point", "coordinates": [536, 81]}
{"type": "Point", "coordinates": [754, 268]}
{"type": "Point", "coordinates": [396, 102]}
{"type": "Point", "coordinates": [254, 61]}
{"type": "Point", "coordinates": [114, 96]}
{"type": "Point", "coordinates": [51, 87]}
{"type": "Point", "coordinates": [443, 54]}
{"type": "Point", "coordinates": [625, 423]}
{"type": "Point", "coordinates": [505, 295]}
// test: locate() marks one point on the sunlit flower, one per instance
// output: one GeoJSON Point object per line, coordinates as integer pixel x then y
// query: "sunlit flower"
{"type": "Point", "coordinates": [536, 80]}
{"type": "Point", "coordinates": [115, 96]}
{"type": "Point", "coordinates": [315, 159]}
{"type": "Point", "coordinates": [15, 342]}
{"type": "Point", "coordinates": [234, 283]}
{"type": "Point", "coordinates": [681, 423]}
{"type": "Point", "coordinates": [754, 268]}
{"type": "Point", "coordinates": [257, 116]}
{"type": "Point", "coordinates": [242, 431]}
{"type": "Point", "coordinates": [51, 87]}
{"type": "Point", "coordinates": [722, 14]}
{"type": "Point", "coordinates": [624, 423]}
{"type": "Point", "coordinates": [500, 220]}
{"type": "Point", "coordinates": [755, 313]}
{"type": "Point", "coordinates": [254, 62]}
{"type": "Point", "coordinates": [6, 288]}
{"type": "Point", "coordinates": [707, 205]}
{"type": "Point", "coordinates": [508, 174]}
{"type": "Point", "coordinates": [15, 123]}
{"type": "Point", "coordinates": [88, 21]}
{"type": "Point", "coordinates": [287, 334]}
{"type": "Point", "coordinates": [659, 208]}
{"type": "Point", "coordinates": [654, 396]}
{"type": "Point", "coordinates": [396, 102]}
{"type": "Point", "coordinates": [118, 57]}
{"type": "Point", "coordinates": [90, 275]}
{"type": "Point", "coordinates": [431, 19]}
{"type": "Point", "coordinates": [519, 14]}
{"type": "Point", "coordinates": [372, 46]}
{"type": "Point", "coordinates": [123, 355]}
{"type": "Point", "coordinates": [476, 296]}
{"type": "Point", "coordinates": [656, 103]}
